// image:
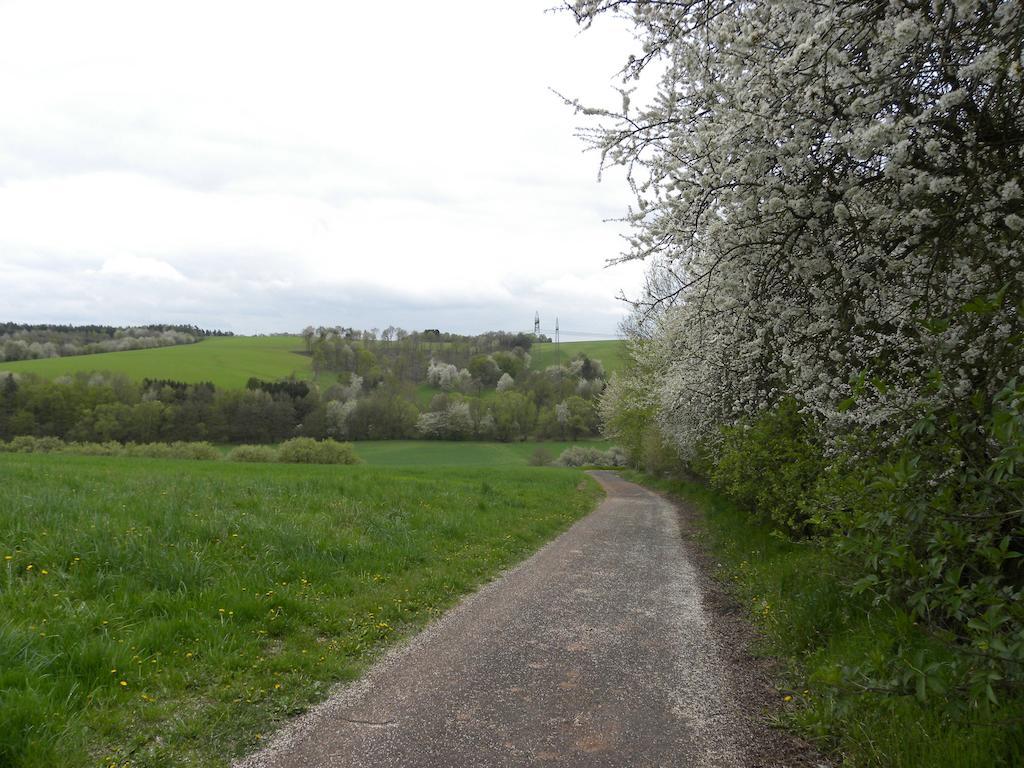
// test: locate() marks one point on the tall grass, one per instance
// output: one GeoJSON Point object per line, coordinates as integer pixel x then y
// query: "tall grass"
{"type": "Point", "coordinates": [163, 613]}
{"type": "Point", "coordinates": [794, 593]}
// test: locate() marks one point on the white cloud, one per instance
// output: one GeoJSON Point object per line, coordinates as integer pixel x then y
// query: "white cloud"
{"type": "Point", "coordinates": [140, 267]}
{"type": "Point", "coordinates": [274, 165]}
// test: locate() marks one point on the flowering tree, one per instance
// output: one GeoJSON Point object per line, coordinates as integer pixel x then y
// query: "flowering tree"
{"type": "Point", "coordinates": [447, 376]}
{"type": "Point", "coordinates": [824, 190]}
{"type": "Point", "coordinates": [829, 195]}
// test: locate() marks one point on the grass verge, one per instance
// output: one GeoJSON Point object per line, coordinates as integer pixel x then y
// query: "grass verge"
{"type": "Point", "coordinates": [795, 595]}
{"type": "Point", "coordinates": [163, 613]}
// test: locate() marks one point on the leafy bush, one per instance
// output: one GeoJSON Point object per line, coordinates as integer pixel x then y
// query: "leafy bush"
{"type": "Point", "coordinates": [541, 457]}
{"type": "Point", "coordinates": [936, 525]}
{"type": "Point", "coordinates": [254, 453]}
{"type": "Point", "coordinates": [306, 450]}
{"type": "Point", "coordinates": [929, 526]}
{"type": "Point", "coordinates": [176, 450]}
{"type": "Point", "coordinates": [586, 456]}
{"type": "Point", "coordinates": [768, 466]}
{"type": "Point", "coordinates": [109, 448]}
{"type": "Point", "coordinates": [29, 444]}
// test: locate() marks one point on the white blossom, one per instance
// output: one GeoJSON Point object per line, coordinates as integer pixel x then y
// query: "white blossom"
{"type": "Point", "coordinates": [818, 201]}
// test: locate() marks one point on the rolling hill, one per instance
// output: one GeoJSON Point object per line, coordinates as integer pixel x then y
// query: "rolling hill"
{"type": "Point", "coordinates": [230, 361]}
{"type": "Point", "coordinates": [227, 361]}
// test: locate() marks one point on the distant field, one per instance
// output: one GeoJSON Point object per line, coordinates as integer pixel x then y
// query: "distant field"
{"type": "Point", "coordinates": [227, 361]}
{"type": "Point", "coordinates": [434, 453]}
{"type": "Point", "coordinates": [172, 613]}
{"type": "Point", "coordinates": [230, 361]}
{"type": "Point", "coordinates": [610, 353]}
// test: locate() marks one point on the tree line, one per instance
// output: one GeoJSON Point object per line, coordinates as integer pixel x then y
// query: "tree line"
{"type": "Point", "coordinates": [830, 200]}
{"type": "Point", "coordinates": [404, 355]}
{"type": "Point", "coordinates": [21, 341]}
{"type": "Point", "coordinates": [501, 399]}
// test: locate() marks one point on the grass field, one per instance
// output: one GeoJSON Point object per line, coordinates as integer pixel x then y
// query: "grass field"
{"type": "Point", "coordinates": [227, 361]}
{"type": "Point", "coordinates": [167, 613]}
{"type": "Point", "coordinates": [434, 453]}
{"type": "Point", "coordinates": [610, 353]}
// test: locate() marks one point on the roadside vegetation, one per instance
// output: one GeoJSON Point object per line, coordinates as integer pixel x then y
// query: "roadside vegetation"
{"type": "Point", "coordinates": [834, 646]}
{"type": "Point", "coordinates": [832, 338]}
{"type": "Point", "coordinates": [163, 613]}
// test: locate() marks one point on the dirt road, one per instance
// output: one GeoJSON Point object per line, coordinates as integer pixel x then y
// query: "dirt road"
{"type": "Point", "coordinates": [597, 651]}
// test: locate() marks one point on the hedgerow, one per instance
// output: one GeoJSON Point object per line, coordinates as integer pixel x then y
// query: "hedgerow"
{"type": "Point", "coordinates": [829, 197]}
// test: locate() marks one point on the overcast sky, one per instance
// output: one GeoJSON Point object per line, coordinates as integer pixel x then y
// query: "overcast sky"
{"type": "Point", "coordinates": [260, 166]}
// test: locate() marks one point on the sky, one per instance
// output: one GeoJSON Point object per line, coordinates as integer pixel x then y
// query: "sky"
{"type": "Point", "coordinates": [262, 166]}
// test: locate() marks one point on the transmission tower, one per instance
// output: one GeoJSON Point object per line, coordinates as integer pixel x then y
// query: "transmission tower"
{"type": "Point", "coordinates": [558, 347]}
{"type": "Point", "coordinates": [536, 323]}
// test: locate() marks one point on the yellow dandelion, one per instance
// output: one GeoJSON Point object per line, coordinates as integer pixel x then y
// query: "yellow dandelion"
{"type": "Point", "coordinates": [787, 698]}
{"type": "Point", "coordinates": [123, 683]}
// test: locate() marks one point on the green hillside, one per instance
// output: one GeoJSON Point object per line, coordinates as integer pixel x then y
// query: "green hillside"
{"type": "Point", "coordinates": [609, 352]}
{"type": "Point", "coordinates": [230, 361]}
{"type": "Point", "coordinates": [227, 361]}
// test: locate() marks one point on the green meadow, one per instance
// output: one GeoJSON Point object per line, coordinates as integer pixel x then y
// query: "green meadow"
{"type": "Point", "coordinates": [172, 613]}
{"type": "Point", "coordinates": [434, 453]}
{"type": "Point", "coordinates": [609, 352]}
{"type": "Point", "coordinates": [227, 361]}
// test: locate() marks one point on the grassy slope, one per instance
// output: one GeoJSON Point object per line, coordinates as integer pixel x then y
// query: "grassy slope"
{"type": "Point", "coordinates": [230, 361]}
{"type": "Point", "coordinates": [226, 361]}
{"type": "Point", "coordinates": [433, 453]}
{"type": "Point", "coordinates": [610, 353]}
{"type": "Point", "coordinates": [163, 613]}
{"type": "Point", "coordinates": [796, 597]}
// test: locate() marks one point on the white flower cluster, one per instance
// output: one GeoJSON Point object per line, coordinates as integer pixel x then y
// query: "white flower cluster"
{"type": "Point", "coordinates": [830, 199]}
{"type": "Point", "coordinates": [447, 376]}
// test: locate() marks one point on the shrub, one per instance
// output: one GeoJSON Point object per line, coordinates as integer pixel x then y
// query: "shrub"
{"type": "Point", "coordinates": [541, 457]}
{"type": "Point", "coordinates": [29, 444]}
{"type": "Point", "coordinates": [109, 448]}
{"type": "Point", "coordinates": [586, 456]}
{"type": "Point", "coordinates": [177, 450]}
{"type": "Point", "coordinates": [254, 453]}
{"type": "Point", "coordinates": [306, 450]}
{"type": "Point", "coordinates": [769, 465]}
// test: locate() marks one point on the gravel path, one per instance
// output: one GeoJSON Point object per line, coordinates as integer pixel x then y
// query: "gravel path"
{"type": "Point", "coordinates": [600, 650]}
